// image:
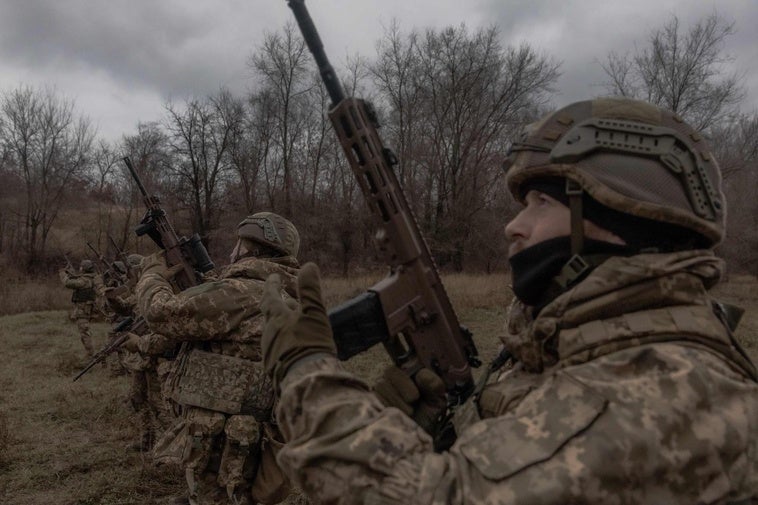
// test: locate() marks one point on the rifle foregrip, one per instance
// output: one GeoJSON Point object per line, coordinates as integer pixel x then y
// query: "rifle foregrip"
{"type": "Point", "coordinates": [358, 324]}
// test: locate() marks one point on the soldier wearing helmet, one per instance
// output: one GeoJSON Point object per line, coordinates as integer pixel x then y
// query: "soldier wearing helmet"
{"type": "Point", "coordinates": [85, 286]}
{"type": "Point", "coordinates": [218, 381]}
{"type": "Point", "coordinates": [620, 380]}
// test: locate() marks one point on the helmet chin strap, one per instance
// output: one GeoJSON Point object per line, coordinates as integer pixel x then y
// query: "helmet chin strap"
{"type": "Point", "coordinates": [576, 266]}
{"type": "Point", "coordinates": [574, 192]}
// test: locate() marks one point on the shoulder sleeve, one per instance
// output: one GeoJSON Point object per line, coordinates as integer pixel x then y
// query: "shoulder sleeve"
{"type": "Point", "coordinates": [209, 311]}
{"type": "Point", "coordinates": [379, 455]}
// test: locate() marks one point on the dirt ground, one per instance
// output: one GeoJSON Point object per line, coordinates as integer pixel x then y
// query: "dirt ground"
{"type": "Point", "coordinates": [67, 443]}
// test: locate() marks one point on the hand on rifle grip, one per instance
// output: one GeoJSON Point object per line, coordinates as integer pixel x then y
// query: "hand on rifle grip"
{"type": "Point", "coordinates": [421, 397]}
{"type": "Point", "coordinates": [156, 264]}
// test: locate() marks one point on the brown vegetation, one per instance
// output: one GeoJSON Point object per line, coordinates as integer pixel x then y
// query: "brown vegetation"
{"type": "Point", "coordinates": [67, 443]}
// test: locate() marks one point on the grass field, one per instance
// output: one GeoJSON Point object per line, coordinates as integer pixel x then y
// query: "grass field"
{"type": "Point", "coordinates": [66, 443]}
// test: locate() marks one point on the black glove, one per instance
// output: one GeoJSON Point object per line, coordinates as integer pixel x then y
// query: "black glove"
{"type": "Point", "coordinates": [422, 397]}
{"type": "Point", "coordinates": [293, 331]}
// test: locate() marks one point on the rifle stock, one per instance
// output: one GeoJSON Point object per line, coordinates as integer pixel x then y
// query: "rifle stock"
{"type": "Point", "coordinates": [408, 311]}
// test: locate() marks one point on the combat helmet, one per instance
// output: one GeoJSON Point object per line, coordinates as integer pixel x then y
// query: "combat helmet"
{"type": "Point", "coordinates": [631, 157]}
{"type": "Point", "coordinates": [134, 260]}
{"type": "Point", "coordinates": [270, 230]}
{"type": "Point", "coordinates": [87, 266]}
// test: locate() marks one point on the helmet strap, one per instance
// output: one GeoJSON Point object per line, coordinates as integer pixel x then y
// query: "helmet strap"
{"type": "Point", "coordinates": [576, 266]}
{"type": "Point", "coordinates": [574, 192]}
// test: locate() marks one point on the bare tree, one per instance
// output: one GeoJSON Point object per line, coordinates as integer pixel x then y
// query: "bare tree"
{"type": "Point", "coordinates": [251, 147]}
{"type": "Point", "coordinates": [200, 136]}
{"type": "Point", "coordinates": [48, 147]}
{"type": "Point", "coordinates": [104, 168]}
{"type": "Point", "coordinates": [395, 75]}
{"type": "Point", "coordinates": [468, 96]}
{"type": "Point", "coordinates": [685, 72]}
{"type": "Point", "coordinates": [284, 67]}
{"type": "Point", "coordinates": [736, 144]}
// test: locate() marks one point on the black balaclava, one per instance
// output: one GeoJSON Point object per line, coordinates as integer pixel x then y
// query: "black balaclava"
{"type": "Point", "coordinates": [535, 268]}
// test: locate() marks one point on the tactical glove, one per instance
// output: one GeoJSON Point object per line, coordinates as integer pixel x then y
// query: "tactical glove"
{"type": "Point", "coordinates": [293, 331]}
{"type": "Point", "coordinates": [156, 264]}
{"type": "Point", "coordinates": [421, 397]}
{"type": "Point", "coordinates": [132, 343]}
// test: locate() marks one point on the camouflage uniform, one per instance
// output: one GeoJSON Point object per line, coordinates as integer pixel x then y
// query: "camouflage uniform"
{"type": "Point", "coordinates": [121, 302]}
{"type": "Point", "coordinates": [85, 286]}
{"type": "Point", "coordinates": [652, 403]}
{"type": "Point", "coordinates": [225, 397]}
{"type": "Point", "coordinates": [627, 386]}
{"type": "Point", "coordinates": [148, 369]}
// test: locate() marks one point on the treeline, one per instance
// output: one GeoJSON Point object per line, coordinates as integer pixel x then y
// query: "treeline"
{"type": "Point", "coordinates": [449, 100]}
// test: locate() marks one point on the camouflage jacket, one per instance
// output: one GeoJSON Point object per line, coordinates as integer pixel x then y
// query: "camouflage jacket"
{"type": "Point", "coordinates": [86, 286]}
{"type": "Point", "coordinates": [630, 391]}
{"type": "Point", "coordinates": [223, 313]}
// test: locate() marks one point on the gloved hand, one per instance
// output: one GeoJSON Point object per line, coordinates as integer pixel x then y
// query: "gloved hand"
{"type": "Point", "coordinates": [156, 264]}
{"type": "Point", "coordinates": [131, 344]}
{"type": "Point", "coordinates": [421, 397]}
{"type": "Point", "coordinates": [293, 331]}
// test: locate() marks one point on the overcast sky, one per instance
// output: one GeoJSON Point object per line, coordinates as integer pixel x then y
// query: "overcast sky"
{"type": "Point", "coordinates": [120, 61]}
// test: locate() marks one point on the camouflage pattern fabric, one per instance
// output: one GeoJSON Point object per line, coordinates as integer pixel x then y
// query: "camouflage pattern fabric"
{"type": "Point", "coordinates": [218, 449]}
{"type": "Point", "coordinates": [148, 370]}
{"type": "Point", "coordinates": [630, 391]}
{"type": "Point", "coordinates": [85, 287]}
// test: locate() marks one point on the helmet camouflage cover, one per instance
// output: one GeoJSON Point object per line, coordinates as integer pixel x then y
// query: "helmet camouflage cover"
{"type": "Point", "coordinates": [630, 156]}
{"type": "Point", "coordinates": [271, 230]}
{"type": "Point", "coordinates": [87, 266]}
{"type": "Point", "coordinates": [134, 260]}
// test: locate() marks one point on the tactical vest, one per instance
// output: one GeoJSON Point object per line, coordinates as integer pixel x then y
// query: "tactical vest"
{"type": "Point", "coordinates": [83, 295]}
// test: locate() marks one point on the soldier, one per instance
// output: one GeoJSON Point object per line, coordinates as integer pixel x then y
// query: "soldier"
{"type": "Point", "coordinates": [148, 359]}
{"type": "Point", "coordinates": [627, 385]}
{"type": "Point", "coordinates": [85, 285]}
{"type": "Point", "coordinates": [225, 398]}
{"type": "Point", "coordinates": [121, 303]}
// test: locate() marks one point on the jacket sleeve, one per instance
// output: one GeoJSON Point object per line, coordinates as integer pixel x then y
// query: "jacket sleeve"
{"type": "Point", "coordinates": [575, 437]}
{"type": "Point", "coordinates": [346, 447]}
{"type": "Point", "coordinates": [209, 311]}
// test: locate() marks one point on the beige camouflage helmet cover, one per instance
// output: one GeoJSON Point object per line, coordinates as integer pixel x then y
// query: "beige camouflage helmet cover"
{"type": "Point", "coordinates": [629, 155]}
{"type": "Point", "coordinates": [134, 260]}
{"type": "Point", "coordinates": [271, 230]}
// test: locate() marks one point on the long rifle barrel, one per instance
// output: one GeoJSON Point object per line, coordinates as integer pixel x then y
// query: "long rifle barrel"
{"type": "Point", "coordinates": [136, 178]}
{"type": "Point", "coordinates": [310, 34]}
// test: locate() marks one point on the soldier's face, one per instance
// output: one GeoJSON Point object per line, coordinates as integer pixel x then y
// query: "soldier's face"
{"type": "Point", "coordinates": [542, 218]}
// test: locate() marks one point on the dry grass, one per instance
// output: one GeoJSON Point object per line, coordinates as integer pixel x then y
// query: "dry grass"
{"type": "Point", "coordinates": [66, 443]}
{"type": "Point", "coordinates": [20, 294]}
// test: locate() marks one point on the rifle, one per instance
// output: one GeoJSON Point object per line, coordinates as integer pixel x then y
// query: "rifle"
{"type": "Point", "coordinates": [125, 327]}
{"type": "Point", "coordinates": [188, 252]}
{"type": "Point", "coordinates": [120, 254]}
{"type": "Point", "coordinates": [409, 311]}
{"type": "Point", "coordinates": [124, 258]}
{"type": "Point", "coordinates": [69, 266]}
{"type": "Point", "coordinates": [99, 257]}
